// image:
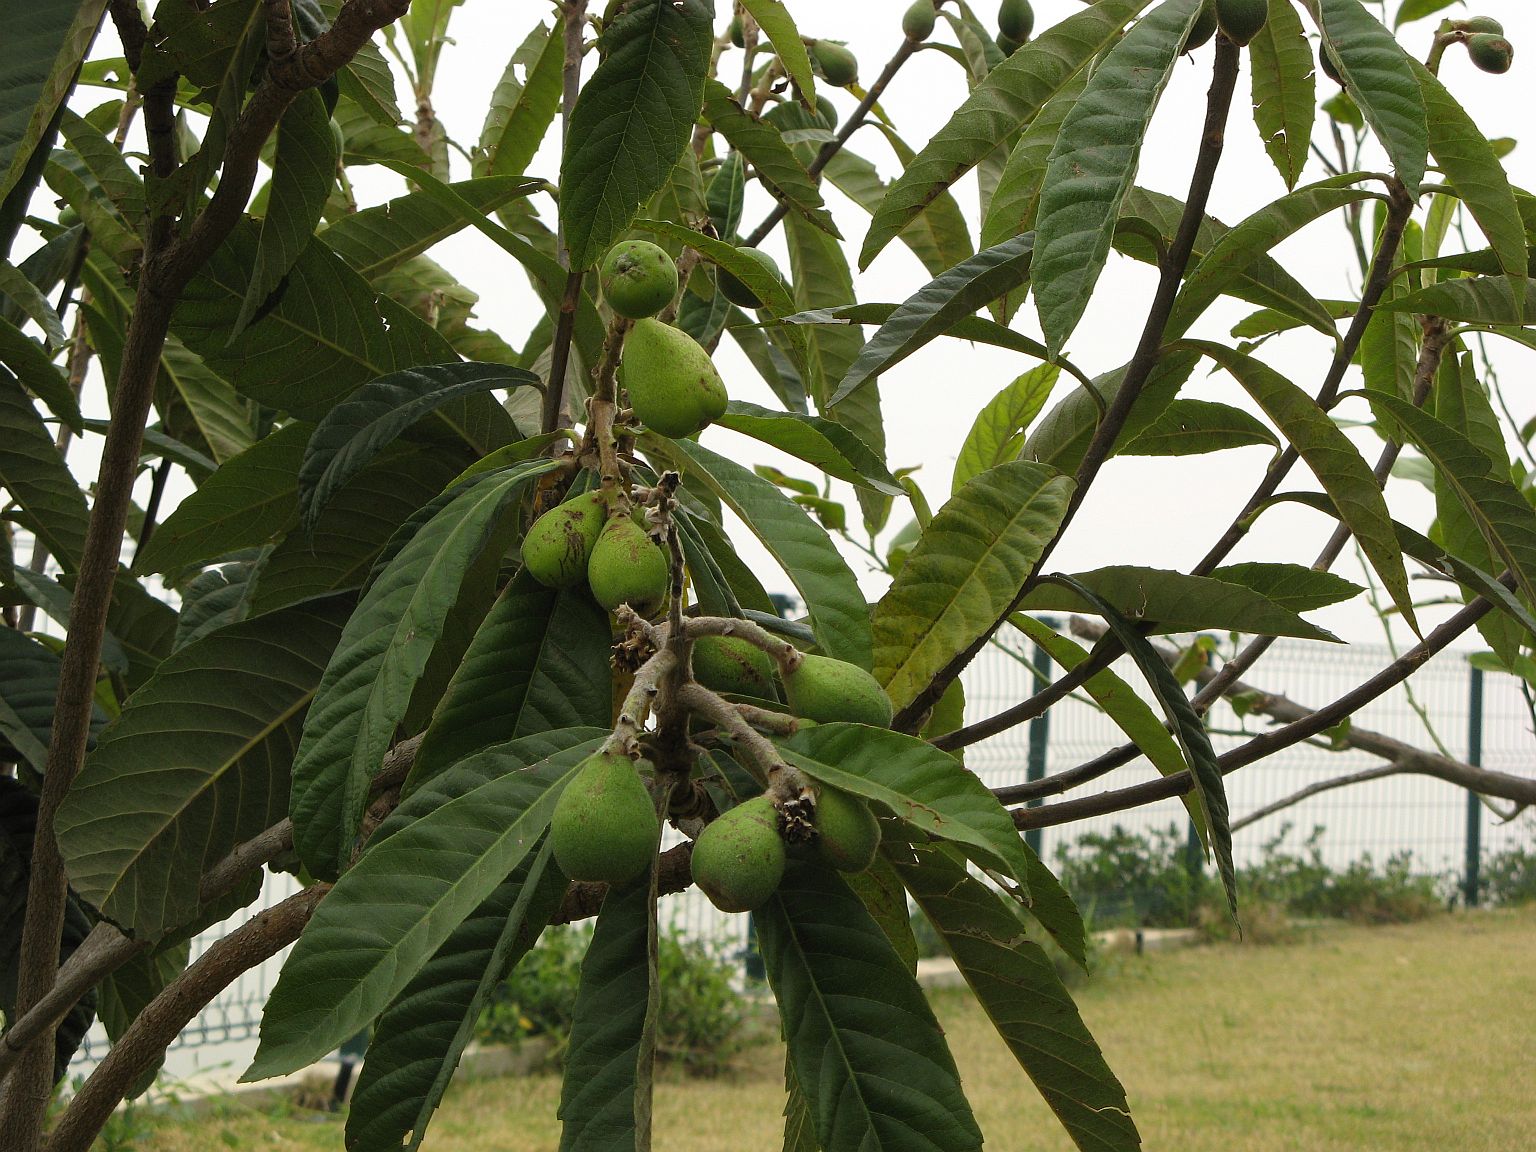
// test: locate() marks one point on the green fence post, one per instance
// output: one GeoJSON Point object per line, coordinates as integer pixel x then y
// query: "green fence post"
{"type": "Point", "coordinates": [1474, 803]}
{"type": "Point", "coordinates": [1039, 741]}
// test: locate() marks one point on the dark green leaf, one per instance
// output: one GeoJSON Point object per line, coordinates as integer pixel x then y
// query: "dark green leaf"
{"type": "Point", "coordinates": [965, 572]}
{"type": "Point", "coordinates": [919, 784]}
{"type": "Point", "coordinates": [1187, 727]}
{"type": "Point", "coordinates": [1379, 75]}
{"type": "Point", "coordinates": [439, 857]}
{"type": "Point", "coordinates": [197, 762]}
{"type": "Point", "coordinates": [417, 1042]}
{"type": "Point", "coordinates": [1191, 427]}
{"type": "Point", "coordinates": [1093, 165]}
{"type": "Point", "coordinates": [1290, 585]}
{"type": "Point", "coordinates": [303, 174]}
{"type": "Point", "coordinates": [32, 366]}
{"type": "Point", "coordinates": [520, 113]}
{"type": "Point", "coordinates": [47, 498]}
{"type": "Point", "coordinates": [775, 164]}
{"type": "Point", "coordinates": [538, 662]}
{"type": "Point", "coordinates": [351, 434]}
{"type": "Point", "coordinates": [1507, 300]}
{"type": "Point", "coordinates": [777, 24]}
{"type": "Point", "coordinates": [960, 292]}
{"type": "Point", "coordinates": [1010, 97]}
{"type": "Point", "coordinates": [383, 653]}
{"type": "Point", "coordinates": [868, 1055]}
{"type": "Point", "coordinates": [1334, 460]}
{"type": "Point", "coordinates": [823, 443]}
{"type": "Point", "coordinates": [1016, 985]}
{"type": "Point", "coordinates": [1284, 90]}
{"type": "Point", "coordinates": [1176, 602]}
{"type": "Point", "coordinates": [43, 45]}
{"type": "Point", "coordinates": [632, 120]}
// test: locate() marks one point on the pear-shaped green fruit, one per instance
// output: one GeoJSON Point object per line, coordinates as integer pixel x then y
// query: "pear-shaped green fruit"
{"type": "Point", "coordinates": [1241, 20]}
{"type": "Point", "coordinates": [1204, 27]}
{"type": "Point", "coordinates": [737, 33]}
{"type": "Point", "coordinates": [730, 664]}
{"type": "Point", "coordinates": [917, 21]}
{"type": "Point", "coordinates": [838, 66]}
{"type": "Point", "coordinates": [558, 547]}
{"type": "Point", "coordinates": [738, 860]}
{"type": "Point", "coordinates": [604, 827]}
{"type": "Point", "coordinates": [639, 278]}
{"type": "Point", "coordinates": [1481, 24]}
{"type": "Point", "coordinates": [1016, 20]}
{"type": "Point", "coordinates": [735, 290]}
{"type": "Point", "coordinates": [828, 690]}
{"type": "Point", "coordinates": [672, 383]}
{"type": "Point", "coordinates": [628, 568]}
{"type": "Point", "coordinates": [847, 833]}
{"type": "Point", "coordinates": [1491, 53]}
{"type": "Point", "coordinates": [1007, 44]}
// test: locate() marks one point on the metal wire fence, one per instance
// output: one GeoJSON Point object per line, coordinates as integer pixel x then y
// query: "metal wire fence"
{"type": "Point", "coordinates": [1426, 817]}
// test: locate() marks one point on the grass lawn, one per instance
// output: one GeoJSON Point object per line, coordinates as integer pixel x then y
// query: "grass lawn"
{"type": "Point", "coordinates": [1402, 1039]}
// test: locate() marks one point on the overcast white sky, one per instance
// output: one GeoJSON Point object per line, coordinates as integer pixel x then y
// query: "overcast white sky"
{"type": "Point", "coordinates": [1162, 513]}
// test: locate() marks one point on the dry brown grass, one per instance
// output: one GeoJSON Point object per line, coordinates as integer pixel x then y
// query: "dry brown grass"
{"type": "Point", "coordinates": [1405, 1039]}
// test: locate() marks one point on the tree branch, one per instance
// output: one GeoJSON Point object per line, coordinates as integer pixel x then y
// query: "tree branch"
{"type": "Point", "coordinates": [145, 1041]}
{"type": "Point", "coordinates": [1272, 742]}
{"type": "Point", "coordinates": [1148, 349]}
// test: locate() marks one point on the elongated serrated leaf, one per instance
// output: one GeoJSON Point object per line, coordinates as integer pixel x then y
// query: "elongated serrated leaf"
{"type": "Point", "coordinates": [997, 435]}
{"type": "Point", "coordinates": [918, 783]}
{"type": "Point", "coordinates": [539, 661]}
{"type": "Point", "coordinates": [960, 292]}
{"type": "Point", "coordinates": [1093, 165]}
{"type": "Point", "coordinates": [440, 855]}
{"type": "Point", "coordinates": [324, 336]}
{"type": "Point", "coordinates": [774, 163]}
{"type": "Point", "coordinates": [25, 295]}
{"type": "Point", "coordinates": [197, 762]}
{"type": "Point", "coordinates": [215, 599]}
{"type": "Point", "coordinates": [977, 329]}
{"type": "Point", "coordinates": [1130, 713]}
{"type": "Point", "coordinates": [777, 301]}
{"type": "Point", "coordinates": [1237, 250]}
{"type": "Point", "coordinates": [1264, 282]}
{"type": "Point", "coordinates": [1011, 211]}
{"type": "Point", "coordinates": [1412, 10]}
{"type": "Point", "coordinates": [376, 240]}
{"type": "Point", "coordinates": [521, 111]}
{"type": "Point", "coordinates": [1290, 585]}
{"type": "Point", "coordinates": [1379, 74]}
{"type": "Point", "coordinates": [351, 434]}
{"type": "Point", "coordinates": [965, 572]}
{"type": "Point", "coordinates": [1187, 727]}
{"type": "Point", "coordinates": [876, 1080]}
{"type": "Point", "coordinates": [632, 120]}
{"type": "Point", "coordinates": [1389, 350]}
{"type": "Point", "coordinates": [1176, 602]}
{"type": "Point", "coordinates": [600, 1093]}
{"type": "Point", "coordinates": [1501, 513]}
{"type": "Point", "coordinates": [1507, 300]}
{"type": "Point", "coordinates": [837, 608]}
{"type": "Point", "coordinates": [1191, 427]}
{"type": "Point", "coordinates": [777, 24]}
{"type": "Point", "coordinates": [1474, 171]}
{"type": "Point", "coordinates": [36, 478]}
{"type": "Point", "coordinates": [43, 46]}
{"type": "Point", "coordinates": [818, 441]}
{"type": "Point", "coordinates": [53, 599]}
{"type": "Point", "coordinates": [1064, 433]}
{"type": "Point", "coordinates": [1284, 90]}
{"type": "Point", "coordinates": [1334, 460]}
{"type": "Point", "coordinates": [26, 358]}
{"type": "Point", "coordinates": [1008, 99]}
{"type": "Point", "coordinates": [382, 654]}
{"type": "Point", "coordinates": [1017, 986]}
{"type": "Point", "coordinates": [417, 1042]}
{"type": "Point", "coordinates": [244, 504]}
{"type": "Point", "coordinates": [302, 176]}
{"type": "Point", "coordinates": [29, 690]}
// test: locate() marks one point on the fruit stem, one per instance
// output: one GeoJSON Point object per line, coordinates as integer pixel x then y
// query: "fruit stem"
{"type": "Point", "coordinates": [602, 408]}
{"type": "Point", "coordinates": [638, 702]}
{"type": "Point", "coordinates": [758, 751]}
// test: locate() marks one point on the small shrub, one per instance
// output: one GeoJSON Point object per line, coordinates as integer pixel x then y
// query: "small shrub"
{"type": "Point", "coordinates": [702, 1017]}
{"type": "Point", "coordinates": [1509, 877]}
{"type": "Point", "coordinates": [1123, 879]}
